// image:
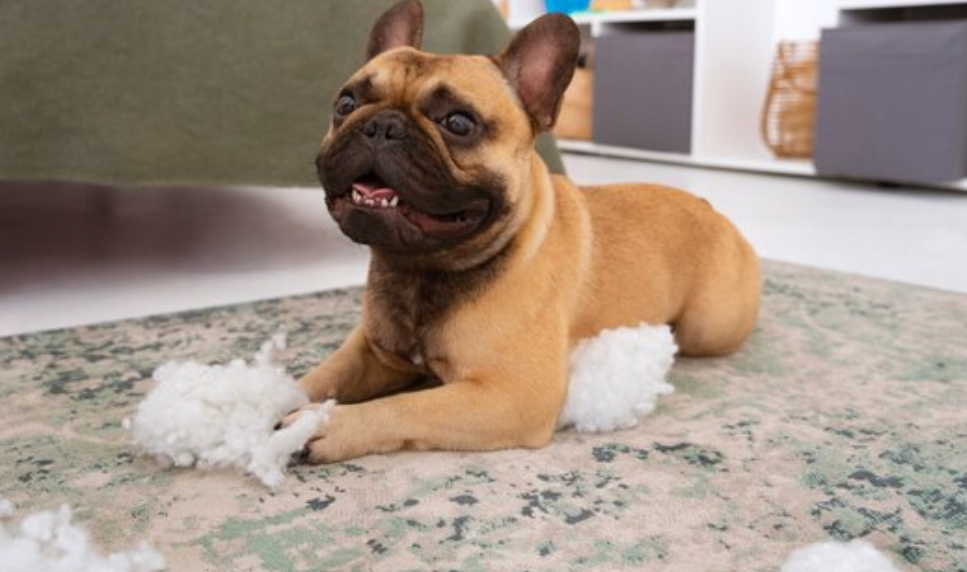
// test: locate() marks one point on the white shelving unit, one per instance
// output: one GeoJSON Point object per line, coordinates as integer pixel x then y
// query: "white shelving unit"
{"type": "Point", "coordinates": [735, 46]}
{"type": "Point", "coordinates": [733, 57]}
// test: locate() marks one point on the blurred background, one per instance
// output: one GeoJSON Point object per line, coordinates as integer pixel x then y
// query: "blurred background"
{"type": "Point", "coordinates": [156, 158]}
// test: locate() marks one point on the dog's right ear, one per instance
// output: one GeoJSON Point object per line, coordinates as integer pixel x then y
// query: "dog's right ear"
{"type": "Point", "coordinates": [401, 25]}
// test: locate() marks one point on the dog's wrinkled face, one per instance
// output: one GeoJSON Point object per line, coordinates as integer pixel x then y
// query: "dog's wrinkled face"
{"type": "Point", "coordinates": [422, 151]}
{"type": "Point", "coordinates": [429, 152]}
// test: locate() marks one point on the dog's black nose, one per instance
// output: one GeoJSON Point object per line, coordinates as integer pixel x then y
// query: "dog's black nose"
{"type": "Point", "coordinates": [389, 125]}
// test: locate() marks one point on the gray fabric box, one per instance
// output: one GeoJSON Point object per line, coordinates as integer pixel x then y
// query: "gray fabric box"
{"type": "Point", "coordinates": [643, 90]}
{"type": "Point", "coordinates": [892, 102]}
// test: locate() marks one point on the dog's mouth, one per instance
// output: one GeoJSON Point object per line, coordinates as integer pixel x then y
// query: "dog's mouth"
{"type": "Point", "coordinates": [371, 195]}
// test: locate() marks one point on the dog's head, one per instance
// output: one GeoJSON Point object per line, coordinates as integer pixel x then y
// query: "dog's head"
{"type": "Point", "coordinates": [431, 154]}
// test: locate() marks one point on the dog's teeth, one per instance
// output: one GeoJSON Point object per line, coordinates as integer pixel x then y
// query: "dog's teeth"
{"type": "Point", "coordinates": [377, 202]}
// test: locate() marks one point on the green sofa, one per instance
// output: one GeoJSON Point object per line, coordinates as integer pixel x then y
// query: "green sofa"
{"type": "Point", "coordinates": [219, 92]}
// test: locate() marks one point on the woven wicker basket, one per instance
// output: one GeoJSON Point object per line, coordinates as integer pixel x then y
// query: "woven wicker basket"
{"type": "Point", "coordinates": [789, 114]}
{"type": "Point", "coordinates": [576, 119]}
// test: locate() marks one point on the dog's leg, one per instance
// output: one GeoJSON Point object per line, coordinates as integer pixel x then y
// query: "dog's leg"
{"type": "Point", "coordinates": [723, 308]}
{"type": "Point", "coordinates": [354, 373]}
{"type": "Point", "coordinates": [468, 415]}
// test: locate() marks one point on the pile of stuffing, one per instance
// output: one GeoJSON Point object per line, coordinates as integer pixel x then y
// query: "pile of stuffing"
{"type": "Point", "coordinates": [214, 416]}
{"type": "Point", "coordinates": [856, 556]}
{"type": "Point", "coordinates": [48, 542]}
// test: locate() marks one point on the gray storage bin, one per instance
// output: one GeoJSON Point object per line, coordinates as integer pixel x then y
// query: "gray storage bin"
{"type": "Point", "coordinates": [643, 90]}
{"type": "Point", "coordinates": [892, 102]}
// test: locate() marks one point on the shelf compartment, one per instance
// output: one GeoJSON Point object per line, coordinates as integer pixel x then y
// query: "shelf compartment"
{"type": "Point", "coordinates": [643, 84]}
{"type": "Point", "coordinates": [893, 102]}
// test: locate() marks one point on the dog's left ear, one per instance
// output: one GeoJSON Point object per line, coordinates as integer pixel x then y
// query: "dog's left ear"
{"type": "Point", "coordinates": [539, 62]}
{"type": "Point", "coordinates": [401, 25]}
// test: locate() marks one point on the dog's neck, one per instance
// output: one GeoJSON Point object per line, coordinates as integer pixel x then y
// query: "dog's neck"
{"type": "Point", "coordinates": [537, 216]}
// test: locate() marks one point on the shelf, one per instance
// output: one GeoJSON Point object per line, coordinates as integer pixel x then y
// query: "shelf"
{"type": "Point", "coordinates": [591, 148]}
{"type": "Point", "coordinates": [792, 167]}
{"type": "Point", "coordinates": [637, 16]}
{"type": "Point", "coordinates": [886, 4]}
{"type": "Point", "coordinates": [798, 167]}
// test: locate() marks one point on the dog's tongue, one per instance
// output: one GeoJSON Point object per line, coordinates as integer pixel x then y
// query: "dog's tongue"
{"type": "Point", "coordinates": [373, 189]}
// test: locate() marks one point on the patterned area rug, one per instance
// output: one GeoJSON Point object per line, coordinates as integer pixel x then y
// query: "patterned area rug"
{"type": "Point", "coordinates": [845, 416]}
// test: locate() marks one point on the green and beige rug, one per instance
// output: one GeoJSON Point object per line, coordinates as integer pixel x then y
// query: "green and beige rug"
{"type": "Point", "coordinates": [844, 417]}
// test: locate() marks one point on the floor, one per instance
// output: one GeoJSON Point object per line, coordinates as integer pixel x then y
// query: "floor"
{"type": "Point", "coordinates": [73, 254]}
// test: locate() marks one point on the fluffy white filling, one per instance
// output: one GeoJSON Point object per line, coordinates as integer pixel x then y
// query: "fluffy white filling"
{"type": "Point", "coordinates": [616, 378]}
{"type": "Point", "coordinates": [7, 508]}
{"type": "Point", "coordinates": [48, 541]}
{"type": "Point", "coordinates": [213, 416]}
{"type": "Point", "coordinates": [856, 556]}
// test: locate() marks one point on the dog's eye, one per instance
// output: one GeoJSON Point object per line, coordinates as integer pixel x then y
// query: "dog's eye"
{"type": "Point", "coordinates": [459, 124]}
{"type": "Point", "coordinates": [345, 105]}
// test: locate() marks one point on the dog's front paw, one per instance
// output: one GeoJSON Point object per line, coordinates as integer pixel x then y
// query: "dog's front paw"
{"type": "Point", "coordinates": [317, 385]}
{"type": "Point", "coordinates": [338, 439]}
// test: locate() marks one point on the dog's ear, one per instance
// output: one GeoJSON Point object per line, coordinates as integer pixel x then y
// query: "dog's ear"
{"type": "Point", "coordinates": [539, 63]}
{"type": "Point", "coordinates": [401, 25]}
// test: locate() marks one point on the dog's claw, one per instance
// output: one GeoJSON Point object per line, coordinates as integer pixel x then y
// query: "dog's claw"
{"type": "Point", "coordinates": [302, 455]}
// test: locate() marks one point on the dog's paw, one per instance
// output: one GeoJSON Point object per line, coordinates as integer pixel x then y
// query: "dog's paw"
{"type": "Point", "coordinates": [317, 386]}
{"type": "Point", "coordinates": [336, 440]}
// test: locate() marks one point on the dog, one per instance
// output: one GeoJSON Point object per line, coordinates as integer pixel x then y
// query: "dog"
{"type": "Point", "coordinates": [485, 269]}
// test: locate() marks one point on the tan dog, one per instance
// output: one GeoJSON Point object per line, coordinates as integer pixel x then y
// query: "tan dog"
{"type": "Point", "coordinates": [486, 269]}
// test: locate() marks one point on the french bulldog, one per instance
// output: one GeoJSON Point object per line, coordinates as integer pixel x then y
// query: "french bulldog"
{"type": "Point", "coordinates": [485, 269]}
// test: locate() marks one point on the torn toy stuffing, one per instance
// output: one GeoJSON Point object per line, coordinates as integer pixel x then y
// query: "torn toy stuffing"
{"type": "Point", "coordinates": [213, 416]}
{"type": "Point", "coordinates": [616, 378]}
{"type": "Point", "coordinates": [856, 556]}
{"type": "Point", "coordinates": [48, 541]}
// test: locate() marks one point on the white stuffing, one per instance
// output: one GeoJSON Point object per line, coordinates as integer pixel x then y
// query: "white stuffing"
{"type": "Point", "coordinates": [616, 377]}
{"type": "Point", "coordinates": [47, 541]}
{"type": "Point", "coordinates": [856, 556]}
{"type": "Point", "coordinates": [7, 508]}
{"type": "Point", "coordinates": [213, 416]}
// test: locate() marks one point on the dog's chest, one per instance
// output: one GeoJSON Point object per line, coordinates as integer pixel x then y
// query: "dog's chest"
{"type": "Point", "coordinates": [407, 311]}
{"type": "Point", "coordinates": [403, 320]}
{"type": "Point", "coordinates": [402, 336]}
